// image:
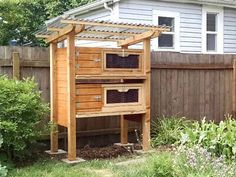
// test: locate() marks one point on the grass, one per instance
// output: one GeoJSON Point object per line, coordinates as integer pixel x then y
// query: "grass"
{"type": "Point", "coordinates": [156, 164]}
{"type": "Point", "coordinates": [53, 168]}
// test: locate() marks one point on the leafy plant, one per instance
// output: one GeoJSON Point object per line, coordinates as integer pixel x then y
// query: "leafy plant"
{"type": "Point", "coordinates": [3, 170]}
{"type": "Point", "coordinates": [167, 130]}
{"type": "Point", "coordinates": [198, 162]}
{"type": "Point", "coordinates": [21, 110]}
{"type": "Point", "coordinates": [219, 138]}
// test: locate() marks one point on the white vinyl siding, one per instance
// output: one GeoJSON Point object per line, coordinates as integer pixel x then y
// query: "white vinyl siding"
{"type": "Point", "coordinates": [99, 14]}
{"type": "Point", "coordinates": [229, 30]}
{"type": "Point", "coordinates": [137, 11]}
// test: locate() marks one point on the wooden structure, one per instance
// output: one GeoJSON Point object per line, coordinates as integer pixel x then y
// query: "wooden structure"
{"type": "Point", "coordinates": [93, 82]}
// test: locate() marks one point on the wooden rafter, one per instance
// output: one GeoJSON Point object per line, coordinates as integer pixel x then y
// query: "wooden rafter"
{"type": "Point", "coordinates": [60, 33]}
{"type": "Point", "coordinates": [109, 33]}
{"type": "Point", "coordinates": [54, 29]}
{"type": "Point", "coordinates": [42, 36]}
{"type": "Point", "coordinates": [80, 22]}
{"type": "Point", "coordinates": [137, 38]}
{"type": "Point", "coordinates": [96, 39]}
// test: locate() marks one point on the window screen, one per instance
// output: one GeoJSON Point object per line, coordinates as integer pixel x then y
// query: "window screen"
{"type": "Point", "coordinates": [114, 96]}
{"type": "Point", "coordinates": [127, 62]}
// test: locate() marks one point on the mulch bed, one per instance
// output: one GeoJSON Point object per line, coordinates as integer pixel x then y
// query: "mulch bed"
{"type": "Point", "coordinates": [89, 153]}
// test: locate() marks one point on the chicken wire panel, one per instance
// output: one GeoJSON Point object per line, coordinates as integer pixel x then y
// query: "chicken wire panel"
{"type": "Point", "coordinates": [114, 96]}
{"type": "Point", "coordinates": [127, 62]}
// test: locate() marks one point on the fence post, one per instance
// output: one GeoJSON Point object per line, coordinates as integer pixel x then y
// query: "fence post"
{"type": "Point", "coordinates": [234, 89]}
{"type": "Point", "coordinates": [16, 65]}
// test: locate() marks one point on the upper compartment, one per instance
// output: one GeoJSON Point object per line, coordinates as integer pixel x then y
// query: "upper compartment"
{"type": "Point", "coordinates": [109, 63]}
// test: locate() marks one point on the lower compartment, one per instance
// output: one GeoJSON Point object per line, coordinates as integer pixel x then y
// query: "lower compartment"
{"type": "Point", "coordinates": [111, 99]}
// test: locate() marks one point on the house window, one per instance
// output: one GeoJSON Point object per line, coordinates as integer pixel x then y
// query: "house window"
{"type": "Point", "coordinates": [212, 30]}
{"type": "Point", "coordinates": [167, 40]}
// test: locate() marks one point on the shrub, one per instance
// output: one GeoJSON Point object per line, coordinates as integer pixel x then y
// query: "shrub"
{"type": "Point", "coordinates": [21, 110]}
{"type": "Point", "coordinates": [219, 138]}
{"type": "Point", "coordinates": [3, 170]}
{"type": "Point", "coordinates": [167, 131]}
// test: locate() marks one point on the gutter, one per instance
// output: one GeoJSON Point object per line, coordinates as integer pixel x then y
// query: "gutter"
{"type": "Point", "coordinates": [84, 9]}
{"type": "Point", "coordinates": [88, 7]}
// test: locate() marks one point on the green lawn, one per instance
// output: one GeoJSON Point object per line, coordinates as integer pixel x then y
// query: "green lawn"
{"type": "Point", "coordinates": [155, 164]}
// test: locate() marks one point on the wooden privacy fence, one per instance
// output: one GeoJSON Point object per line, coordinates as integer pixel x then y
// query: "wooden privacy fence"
{"type": "Point", "coordinates": [193, 85]}
{"type": "Point", "coordinates": [190, 85]}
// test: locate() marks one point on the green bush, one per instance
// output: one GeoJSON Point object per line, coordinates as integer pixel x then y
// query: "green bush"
{"type": "Point", "coordinates": [219, 139]}
{"type": "Point", "coordinates": [167, 130]}
{"type": "Point", "coordinates": [3, 170]}
{"type": "Point", "coordinates": [21, 110]}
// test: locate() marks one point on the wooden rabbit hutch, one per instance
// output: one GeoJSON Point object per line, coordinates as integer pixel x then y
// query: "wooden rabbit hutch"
{"type": "Point", "coordinates": [95, 82]}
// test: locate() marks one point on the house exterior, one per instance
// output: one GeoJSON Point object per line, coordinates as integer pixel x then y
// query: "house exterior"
{"type": "Point", "coordinates": [197, 26]}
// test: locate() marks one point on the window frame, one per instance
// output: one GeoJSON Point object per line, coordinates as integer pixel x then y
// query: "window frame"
{"type": "Point", "coordinates": [219, 11]}
{"type": "Point", "coordinates": [176, 32]}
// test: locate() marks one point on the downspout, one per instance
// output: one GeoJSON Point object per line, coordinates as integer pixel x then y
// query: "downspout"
{"type": "Point", "coordinates": [107, 7]}
{"type": "Point", "coordinates": [113, 11]}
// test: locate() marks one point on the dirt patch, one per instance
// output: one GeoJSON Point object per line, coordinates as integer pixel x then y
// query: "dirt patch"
{"type": "Point", "coordinates": [89, 153]}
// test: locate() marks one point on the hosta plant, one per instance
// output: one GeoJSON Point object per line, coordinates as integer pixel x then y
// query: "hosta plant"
{"type": "Point", "coordinates": [219, 139]}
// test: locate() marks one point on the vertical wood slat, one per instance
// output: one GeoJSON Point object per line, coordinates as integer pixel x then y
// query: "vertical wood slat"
{"type": "Point", "coordinates": [16, 65]}
{"type": "Point", "coordinates": [71, 96]}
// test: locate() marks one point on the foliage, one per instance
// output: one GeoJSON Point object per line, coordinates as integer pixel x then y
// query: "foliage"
{"type": "Point", "coordinates": [167, 131]}
{"type": "Point", "coordinates": [3, 170]}
{"type": "Point", "coordinates": [21, 110]}
{"type": "Point", "coordinates": [19, 19]}
{"type": "Point", "coordinates": [219, 138]}
{"type": "Point", "coordinates": [185, 162]}
{"type": "Point", "coordinates": [155, 165]}
{"type": "Point", "coordinates": [198, 162]}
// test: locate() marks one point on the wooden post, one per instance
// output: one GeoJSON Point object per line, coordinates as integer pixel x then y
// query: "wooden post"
{"type": "Point", "coordinates": [147, 83]}
{"type": "Point", "coordinates": [71, 96]}
{"type": "Point", "coordinates": [124, 130]}
{"type": "Point", "coordinates": [123, 123]}
{"type": "Point", "coordinates": [53, 116]}
{"type": "Point", "coordinates": [234, 89]}
{"type": "Point", "coordinates": [16, 65]}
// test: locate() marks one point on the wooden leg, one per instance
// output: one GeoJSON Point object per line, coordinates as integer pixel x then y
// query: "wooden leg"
{"type": "Point", "coordinates": [124, 130]}
{"type": "Point", "coordinates": [54, 138]}
{"type": "Point", "coordinates": [146, 131]}
{"type": "Point", "coordinates": [71, 96]}
{"type": "Point", "coordinates": [72, 142]}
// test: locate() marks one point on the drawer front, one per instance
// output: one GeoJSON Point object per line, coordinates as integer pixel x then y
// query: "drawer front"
{"type": "Point", "coordinates": [87, 64]}
{"type": "Point", "coordinates": [123, 61]}
{"type": "Point", "coordinates": [88, 97]}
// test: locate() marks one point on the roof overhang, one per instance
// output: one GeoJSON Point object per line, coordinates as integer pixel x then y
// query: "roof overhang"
{"type": "Point", "coordinates": [124, 34]}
